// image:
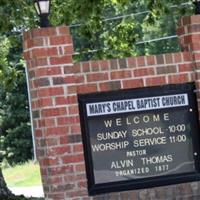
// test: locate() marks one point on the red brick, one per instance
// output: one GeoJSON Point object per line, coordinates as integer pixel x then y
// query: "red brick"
{"type": "Point", "coordinates": [72, 158]}
{"type": "Point", "coordinates": [196, 56]}
{"type": "Point", "coordinates": [69, 50]}
{"type": "Point", "coordinates": [104, 65]}
{"type": "Point", "coordinates": [143, 72]}
{"type": "Point", "coordinates": [177, 57]}
{"type": "Point", "coordinates": [34, 94]}
{"type": "Point", "coordinates": [38, 132]}
{"type": "Point", "coordinates": [131, 62]}
{"type": "Point", "coordinates": [43, 171]}
{"type": "Point", "coordinates": [27, 55]}
{"type": "Point", "coordinates": [73, 109]}
{"type": "Point", "coordinates": [61, 170]}
{"type": "Point", "coordinates": [151, 60]}
{"type": "Point", "coordinates": [78, 148]}
{"type": "Point", "coordinates": [87, 88]}
{"type": "Point", "coordinates": [85, 66]}
{"type": "Point", "coordinates": [80, 78]}
{"type": "Point", "coordinates": [45, 92]}
{"type": "Point", "coordinates": [47, 122]}
{"type": "Point", "coordinates": [63, 30]}
{"type": "Point", "coordinates": [81, 193]}
{"type": "Point", "coordinates": [197, 76]}
{"type": "Point", "coordinates": [51, 31]}
{"type": "Point", "coordinates": [114, 64]}
{"type": "Point", "coordinates": [193, 28]}
{"type": "Point", "coordinates": [28, 44]}
{"type": "Point", "coordinates": [41, 82]}
{"type": "Point", "coordinates": [155, 81]}
{"type": "Point", "coordinates": [166, 69]}
{"type": "Point", "coordinates": [121, 74]}
{"type": "Point", "coordinates": [36, 42]}
{"type": "Point", "coordinates": [44, 52]}
{"type": "Point", "coordinates": [61, 40]}
{"type": "Point", "coordinates": [141, 61]}
{"type": "Point", "coordinates": [34, 104]}
{"type": "Point", "coordinates": [195, 46]}
{"type": "Point", "coordinates": [72, 89]}
{"type": "Point", "coordinates": [122, 63]}
{"type": "Point", "coordinates": [97, 77]}
{"type": "Point", "coordinates": [39, 62]}
{"type": "Point", "coordinates": [187, 56]}
{"type": "Point", "coordinates": [31, 73]}
{"type": "Point", "coordinates": [59, 195]}
{"type": "Point", "coordinates": [48, 71]}
{"type": "Point", "coordinates": [61, 60]}
{"type": "Point", "coordinates": [55, 151]}
{"type": "Point", "coordinates": [52, 141]}
{"type": "Point", "coordinates": [52, 179]}
{"type": "Point", "coordinates": [82, 184]}
{"type": "Point", "coordinates": [75, 129]}
{"type": "Point", "coordinates": [194, 19]}
{"type": "Point", "coordinates": [58, 80]}
{"type": "Point", "coordinates": [135, 83]}
{"type": "Point", "coordinates": [80, 168]}
{"type": "Point", "coordinates": [70, 79]}
{"type": "Point", "coordinates": [191, 39]}
{"type": "Point", "coordinates": [63, 140]}
{"type": "Point", "coordinates": [111, 85]}
{"type": "Point", "coordinates": [66, 100]}
{"type": "Point", "coordinates": [72, 99]}
{"type": "Point", "coordinates": [50, 112]}
{"type": "Point", "coordinates": [70, 69]}
{"type": "Point", "coordinates": [67, 120]}
{"type": "Point", "coordinates": [44, 162]}
{"type": "Point", "coordinates": [178, 78]}
{"type": "Point", "coordinates": [168, 58]}
{"type": "Point", "coordinates": [159, 59]}
{"type": "Point", "coordinates": [56, 131]}
{"type": "Point", "coordinates": [94, 65]}
{"type": "Point", "coordinates": [49, 161]}
{"type": "Point", "coordinates": [185, 67]}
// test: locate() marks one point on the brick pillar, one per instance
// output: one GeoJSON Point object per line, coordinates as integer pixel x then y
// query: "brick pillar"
{"type": "Point", "coordinates": [48, 53]}
{"type": "Point", "coordinates": [189, 38]}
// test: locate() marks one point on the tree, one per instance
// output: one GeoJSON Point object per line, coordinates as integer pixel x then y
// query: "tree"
{"type": "Point", "coordinates": [111, 38]}
{"type": "Point", "coordinates": [4, 46]}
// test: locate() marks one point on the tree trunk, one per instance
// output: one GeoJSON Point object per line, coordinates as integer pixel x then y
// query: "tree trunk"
{"type": "Point", "coordinates": [4, 191]}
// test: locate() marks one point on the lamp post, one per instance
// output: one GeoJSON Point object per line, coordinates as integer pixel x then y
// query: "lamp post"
{"type": "Point", "coordinates": [43, 9]}
{"type": "Point", "coordinates": [197, 6]}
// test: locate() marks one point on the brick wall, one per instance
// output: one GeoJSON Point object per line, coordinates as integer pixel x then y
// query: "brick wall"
{"type": "Point", "coordinates": [54, 84]}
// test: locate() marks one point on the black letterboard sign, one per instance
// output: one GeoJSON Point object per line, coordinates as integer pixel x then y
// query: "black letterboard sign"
{"type": "Point", "coordinates": [140, 138]}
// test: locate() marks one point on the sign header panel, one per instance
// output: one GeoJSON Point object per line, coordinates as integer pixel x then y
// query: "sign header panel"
{"type": "Point", "coordinates": [134, 105]}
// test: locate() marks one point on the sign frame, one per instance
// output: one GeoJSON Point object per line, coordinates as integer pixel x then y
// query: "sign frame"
{"type": "Point", "coordinates": [155, 181]}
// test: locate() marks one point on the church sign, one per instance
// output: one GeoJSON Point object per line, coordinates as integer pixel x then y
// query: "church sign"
{"type": "Point", "coordinates": [140, 138]}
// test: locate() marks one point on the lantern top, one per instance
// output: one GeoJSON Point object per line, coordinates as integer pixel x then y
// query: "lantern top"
{"type": "Point", "coordinates": [42, 7]}
{"type": "Point", "coordinates": [197, 6]}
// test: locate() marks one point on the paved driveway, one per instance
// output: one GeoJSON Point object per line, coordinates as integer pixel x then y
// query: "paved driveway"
{"type": "Point", "coordinates": [36, 191]}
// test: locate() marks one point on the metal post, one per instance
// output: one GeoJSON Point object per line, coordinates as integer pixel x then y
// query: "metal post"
{"type": "Point", "coordinates": [31, 116]}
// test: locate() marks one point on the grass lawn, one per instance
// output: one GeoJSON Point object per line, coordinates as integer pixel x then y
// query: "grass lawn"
{"type": "Point", "coordinates": [24, 175]}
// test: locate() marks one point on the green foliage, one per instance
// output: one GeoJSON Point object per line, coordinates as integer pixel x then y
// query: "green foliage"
{"type": "Point", "coordinates": [15, 134]}
{"type": "Point", "coordinates": [111, 38]}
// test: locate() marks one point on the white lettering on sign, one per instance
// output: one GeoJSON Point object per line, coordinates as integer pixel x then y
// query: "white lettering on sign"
{"type": "Point", "coordinates": [134, 105]}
